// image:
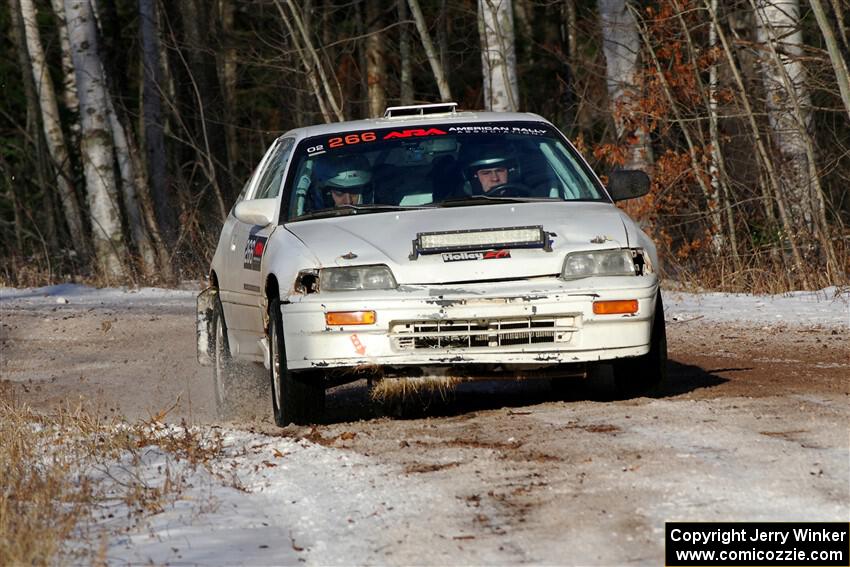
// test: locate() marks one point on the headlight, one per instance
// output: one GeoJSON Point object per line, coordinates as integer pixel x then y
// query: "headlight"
{"type": "Point", "coordinates": [356, 277]}
{"type": "Point", "coordinates": [599, 263]}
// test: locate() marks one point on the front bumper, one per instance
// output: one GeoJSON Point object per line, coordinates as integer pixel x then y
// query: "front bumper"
{"type": "Point", "coordinates": [478, 323]}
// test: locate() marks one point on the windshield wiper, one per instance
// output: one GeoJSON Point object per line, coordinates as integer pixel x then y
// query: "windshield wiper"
{"type": "Point", "coordinates": [483, 200]}
{"type": "Point", "coordinates": [343, 210]}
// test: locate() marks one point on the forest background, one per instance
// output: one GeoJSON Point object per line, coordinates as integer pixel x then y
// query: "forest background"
{"type": "Point", "coordinates": [128, 127]}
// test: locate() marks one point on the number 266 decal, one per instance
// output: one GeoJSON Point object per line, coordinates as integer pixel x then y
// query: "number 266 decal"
{"type": "Point", "coordinates": [351, 139]}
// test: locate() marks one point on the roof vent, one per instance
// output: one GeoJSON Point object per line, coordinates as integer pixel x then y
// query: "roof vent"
{"type": "Point", "coordinates": [420, 110]}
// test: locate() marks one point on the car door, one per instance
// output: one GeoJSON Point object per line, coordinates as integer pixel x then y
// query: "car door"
{"type": "Point", "coordinates": [228, 259]}
{"type": "Point", "coordinates": [248, 248]}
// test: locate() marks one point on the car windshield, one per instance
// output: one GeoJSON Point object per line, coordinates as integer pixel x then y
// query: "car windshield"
{"type": "Point", "coordinates": [407, 167]}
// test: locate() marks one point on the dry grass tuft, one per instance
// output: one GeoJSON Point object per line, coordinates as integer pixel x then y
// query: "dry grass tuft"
{"type": "Point", "coordinates": [59, 470]}
{"type": "Point", "coordinates": [401, 389]}
{"type": "Point", "coordinates": [40, 504]}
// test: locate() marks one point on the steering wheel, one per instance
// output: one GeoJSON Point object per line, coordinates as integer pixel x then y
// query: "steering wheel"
{"type": "Point", "coordinates": [509, 190]}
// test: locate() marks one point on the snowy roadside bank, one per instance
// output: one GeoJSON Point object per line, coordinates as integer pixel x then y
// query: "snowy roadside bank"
{"type": "Point", "coordinates": [829, 307]}
{"type": "Point", "coordinates": [431, 498]}
{"type": "Point", "coordinates": [274, 500]}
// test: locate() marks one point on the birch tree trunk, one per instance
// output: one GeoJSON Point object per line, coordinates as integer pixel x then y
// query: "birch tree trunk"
{"type": "Point", "coordinates": [761, 147]}
{"type": "Point", "coordinates": [498, 56]}
{"type": "Point", "coordinates": [141, 198]}
{"type": "Point", "coordinates": [621, 46]}
{"type": "Point", "coordinates": [69, 84]}
{"type": "Point", "coordinates": [777, 22]}
{"type": "Point", "coordinates": [53, 130]}
{"type": "Point", "coordinates": [717, 165]}
{"type": "Point", "coordinates": [789, 113]}
{"type": "Point", "coordinates": [129, 191]}
{"type": "Point", "coordinates": [96, 142]}
{"type": "Point", "coordinates": [433, 60]}
{"type": "Point", "coordinates": [376, 68]}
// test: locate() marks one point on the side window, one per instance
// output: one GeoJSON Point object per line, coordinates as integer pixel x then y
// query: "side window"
{"type": "Point", "coordinates": [272, 179]}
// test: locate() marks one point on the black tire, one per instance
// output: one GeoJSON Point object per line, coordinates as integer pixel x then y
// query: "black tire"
{"type": "Point", "coordinates": [224, 375]}
{"type": "Point", "coordinates": [296, 398]}
{"type": "Point", "coordinates": [641, 375]}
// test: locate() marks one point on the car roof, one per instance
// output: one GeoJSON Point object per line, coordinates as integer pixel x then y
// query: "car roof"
{"type": "Point", "coordinates": [406, 121]}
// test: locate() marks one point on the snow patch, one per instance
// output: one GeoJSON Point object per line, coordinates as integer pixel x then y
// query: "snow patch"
{"type": "Point", "coordinates": [273, 500]}
{"type": "Point", "coordinates": [829, 307]}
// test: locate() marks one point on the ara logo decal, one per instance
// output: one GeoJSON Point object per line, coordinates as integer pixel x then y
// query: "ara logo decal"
{"type": "Point", "coordinates": [254, 249]}
{"type": "Point", "coordinates": [415, 133]}
{"type": "Point", "coordinates": [484, 255]}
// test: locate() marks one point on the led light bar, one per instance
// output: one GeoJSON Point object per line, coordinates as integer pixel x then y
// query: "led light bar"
{"type": "Point", "coordinates": [478, 239]}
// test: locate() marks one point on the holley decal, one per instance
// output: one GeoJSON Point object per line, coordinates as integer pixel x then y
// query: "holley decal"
{"type": "Point", "coordinates": [482, 255]}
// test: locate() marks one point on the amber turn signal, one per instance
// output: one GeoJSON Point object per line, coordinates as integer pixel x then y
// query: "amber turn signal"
{"type": "Point", "coordinates": [617, 307]}
{"type": "Point", "coordinates": [336, 318]}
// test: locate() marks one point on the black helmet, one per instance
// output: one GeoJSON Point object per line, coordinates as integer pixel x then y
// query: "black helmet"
{"type": "Point", "coordinates": [477, 155]}
{"type": "Point", "coordinates": [349, 174]}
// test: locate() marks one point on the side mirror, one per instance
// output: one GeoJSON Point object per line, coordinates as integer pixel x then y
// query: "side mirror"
{"type": "Point", "coordinates": [628, 184]}
{"type": "Point", "coordinates": [256, 211]}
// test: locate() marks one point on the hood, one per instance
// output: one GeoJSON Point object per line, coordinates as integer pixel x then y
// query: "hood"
{"type": "Point", "coordinates": [387, 238]}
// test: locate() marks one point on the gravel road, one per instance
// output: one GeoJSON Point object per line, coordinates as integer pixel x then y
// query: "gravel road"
{"type": "Point", "coordinates": [754, 425]}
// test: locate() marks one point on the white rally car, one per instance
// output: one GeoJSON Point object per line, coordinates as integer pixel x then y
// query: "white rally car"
{"type": "Point", "coordinates": [429, 240]}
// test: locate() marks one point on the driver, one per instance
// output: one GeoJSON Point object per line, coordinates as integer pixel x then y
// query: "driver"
{"type": "Point", "coordinates": [490, 166]}
{"type": "Point", "coordinates": [345, 179]}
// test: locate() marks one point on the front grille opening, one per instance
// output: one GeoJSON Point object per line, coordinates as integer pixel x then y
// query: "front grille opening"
{"type": "Point", "coordinates": [481, 333]}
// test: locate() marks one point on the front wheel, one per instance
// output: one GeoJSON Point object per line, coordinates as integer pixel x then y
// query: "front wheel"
{"type": "Point", "coordinates": [223, 366]}
{"type": "Point", "coordinates": [294, 398]}
{"type": "Point", "coordinates": [642, 374]}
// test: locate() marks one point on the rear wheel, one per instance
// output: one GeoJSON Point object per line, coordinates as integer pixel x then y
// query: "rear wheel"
{"type": "Point", "coordinates": [295, 398]}
{"type": "Point", "coordinates": [642, 374]}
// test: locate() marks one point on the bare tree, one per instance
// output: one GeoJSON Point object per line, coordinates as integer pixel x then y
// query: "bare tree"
{"type": "Point", "coordinates": [621, 46]}
{"type": "Point", "coordinates": [311, 57]}
{"type": "Point", "coordinates": [53, 130]}
{"type": "Point", "coordinates": [433, 59]}
{"type": "Point", "coordinates": [376, 67]}
{"type": "Point", "coordinates": [761, 147]}
{"type": "Point", "coordinates": [498, 56]}
{"type": "Point", "coordinates": [197, 25]}
{"type": "Point", "coordinates": [96, 142]}
{"type": "Point", "coordinates": [404, 54]}
{"type": "Point", "coordinates": [789, 112]}
{"type": "Point", "coordinates": [154, 139]}
{"type": "Point", "coordinates": [839, 64]}
{"type": "Point", "coordinates": [229, 60]}
{"type": "Point", "coordinates": [308, 63]}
